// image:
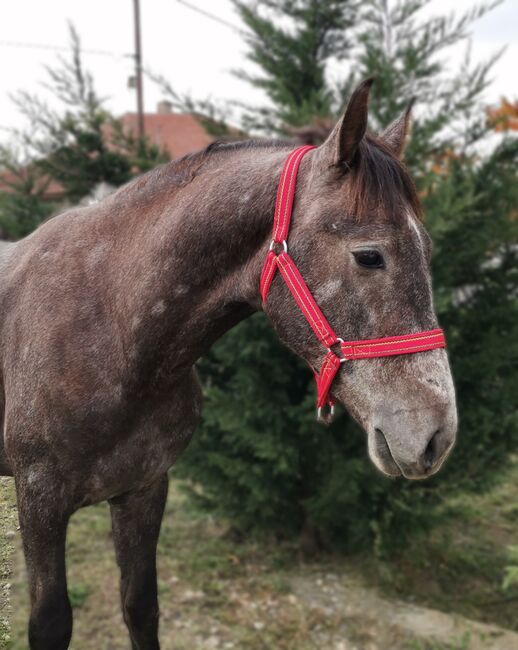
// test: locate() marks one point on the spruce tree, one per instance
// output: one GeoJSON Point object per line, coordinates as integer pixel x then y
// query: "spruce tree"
{"type": "Point", "coordinates": [293, 60]}
{"type": "Point", "coordinates": [22, 204]}
{"type": "Point", "coordinates": [79, 145]}
{"type": "Point", "coordinates": [259, 456]}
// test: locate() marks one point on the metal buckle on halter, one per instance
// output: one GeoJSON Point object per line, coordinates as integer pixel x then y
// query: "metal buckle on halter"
{"type": "Point", "coordinates": [328, 417]}
{"type": "Point", "coordinates": [283, 242]}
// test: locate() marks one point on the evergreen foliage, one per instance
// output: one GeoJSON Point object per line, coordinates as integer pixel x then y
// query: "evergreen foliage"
{"type": "Point", "coordinates": [259, 456]}
{"type": "Point", "coordinates": [293, 60]}
{"type": "Point", "coordinates": [79, 146]}
{"type": "Point", "coordinates": [22, 208]}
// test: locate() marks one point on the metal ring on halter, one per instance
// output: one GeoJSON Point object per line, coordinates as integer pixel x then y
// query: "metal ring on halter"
{"type": "Point", "coordinates": [283, 242]}
{"type": "Point", "coordinates": [331, 412]}
{"type": "Point", "coordinates": [342, 359]}
{"type": "Point", "coordinates": [338, 340]}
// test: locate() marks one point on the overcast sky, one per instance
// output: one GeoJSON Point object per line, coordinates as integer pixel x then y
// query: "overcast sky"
{"type": "Point", "coordinates": [194, 52]}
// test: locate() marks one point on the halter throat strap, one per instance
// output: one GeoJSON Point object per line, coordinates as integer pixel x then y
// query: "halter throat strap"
{"type": "Point", "coordinates": [278, 259]}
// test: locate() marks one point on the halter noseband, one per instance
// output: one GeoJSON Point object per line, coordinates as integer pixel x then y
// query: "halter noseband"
{"type": "Point", "coordinates": [366, 349]}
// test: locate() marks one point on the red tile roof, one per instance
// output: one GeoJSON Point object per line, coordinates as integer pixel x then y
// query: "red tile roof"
{"type": "Point", "coordinates": [52, 190]}
{"type": "Point", "coordinates": [177, 133]}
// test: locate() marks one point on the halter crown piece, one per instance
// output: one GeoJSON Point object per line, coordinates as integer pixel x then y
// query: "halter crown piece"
{"type": "Point", "coordinates": [349, 350]}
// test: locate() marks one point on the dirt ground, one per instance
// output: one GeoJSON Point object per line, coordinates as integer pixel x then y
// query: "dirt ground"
{"type": "Point", "coordinates": [219, 593]}
{"type": "Point", "coordinates": [8, 533]}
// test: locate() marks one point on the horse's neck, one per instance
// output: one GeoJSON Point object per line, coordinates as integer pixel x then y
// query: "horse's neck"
{"type": "Point", "coordinates": [197, 254]}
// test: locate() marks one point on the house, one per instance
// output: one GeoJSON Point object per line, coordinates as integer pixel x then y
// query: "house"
{"type": "Point", "coordinates": [50, 189]}
{"type": "Point", "coordinates": [176, 133]}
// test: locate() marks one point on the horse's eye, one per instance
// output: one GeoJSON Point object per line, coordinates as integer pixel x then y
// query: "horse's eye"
{"type": "Point", "coordinates": [370, 259]}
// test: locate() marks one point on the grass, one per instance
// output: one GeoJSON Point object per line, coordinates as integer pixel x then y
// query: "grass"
{"type": "Point", "coordinates": [211, 588]}
{"type": "Point", "coordinates": [218, 592]}
{"type": "Point", "coordinates": [457, 644]}
{"type": "Point", "coordinates": [461, 565]}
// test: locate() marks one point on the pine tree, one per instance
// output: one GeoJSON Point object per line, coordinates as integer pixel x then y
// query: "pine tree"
{"type": "Point", "coordinates": [22, 207]}
{"type": "Point", "coordinates": [78, 145]}
{"type": "Point", "coordinates": [293, 61]}
{"type": "Point", "coordinates": [259, 456]}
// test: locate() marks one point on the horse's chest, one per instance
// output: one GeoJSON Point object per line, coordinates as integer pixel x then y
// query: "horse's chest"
{"type": "Point", "coordinates": [148, 449]}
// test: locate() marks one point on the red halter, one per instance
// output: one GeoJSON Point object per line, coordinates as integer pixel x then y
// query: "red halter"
{"type": "Point", "coordinates": [367, 349]}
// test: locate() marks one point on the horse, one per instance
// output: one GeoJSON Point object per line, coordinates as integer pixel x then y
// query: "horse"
{"type": "Point", "coordinates": [105, 309]}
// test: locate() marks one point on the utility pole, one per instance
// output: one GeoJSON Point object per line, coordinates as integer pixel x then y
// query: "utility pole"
{"type": "Point", "coordinates": [138, 69]}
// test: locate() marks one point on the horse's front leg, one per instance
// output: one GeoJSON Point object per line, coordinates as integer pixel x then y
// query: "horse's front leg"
{"type": "Point", "coordinates": [44, 516]}
{"type": "Point", "coordinates": [136, 519]}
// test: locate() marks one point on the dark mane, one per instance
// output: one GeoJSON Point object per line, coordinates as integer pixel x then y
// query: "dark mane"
{"type": "Point", "coordinates": [183, 170]}
{"type": "Point", "coordinates": [239, 145]}
{"type": "Point", "coordinates": [379, 182]}
{"type": "Point", "coordinates": [195, 159]}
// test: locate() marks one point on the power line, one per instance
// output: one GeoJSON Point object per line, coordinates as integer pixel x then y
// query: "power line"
{"type": "Point", "coordinates": [58, 48]}
{"type": "Point", "coordinates": [62, 48]}
{"type": "Point", "coordinates": [212, 16]}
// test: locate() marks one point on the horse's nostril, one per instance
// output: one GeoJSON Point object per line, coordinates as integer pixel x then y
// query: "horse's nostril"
{"type": "Point", "coordinates": [431, 451]}
{"type": "Point", "coordinates": [381, 443]}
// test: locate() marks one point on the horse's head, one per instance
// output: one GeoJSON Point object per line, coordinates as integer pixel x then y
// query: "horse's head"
{"type": "Point", "coordinates": [358, 241]}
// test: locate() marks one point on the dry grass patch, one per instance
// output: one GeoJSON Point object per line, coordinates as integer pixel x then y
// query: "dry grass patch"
{"type": "Point", "coordinates": [8, 527]}
{"type": "Point", "coordinates": [219, 592]}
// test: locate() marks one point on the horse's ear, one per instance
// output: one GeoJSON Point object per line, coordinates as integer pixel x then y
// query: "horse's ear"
{"type": "Point", "coordinates": [395, 135]}
{"type": "Point", "coordinates": [341, 145]}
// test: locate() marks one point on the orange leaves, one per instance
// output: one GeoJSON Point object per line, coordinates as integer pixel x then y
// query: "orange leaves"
{"type": "Point", "coordinates": [442, 161]}
{"type": "Point", "coordinates": [504, 117]}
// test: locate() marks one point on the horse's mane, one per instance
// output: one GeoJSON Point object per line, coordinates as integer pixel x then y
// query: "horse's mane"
{"type": "Point", "coordinates": [379, 182]}
{"type": "Point", "coordinates": [378, 178]}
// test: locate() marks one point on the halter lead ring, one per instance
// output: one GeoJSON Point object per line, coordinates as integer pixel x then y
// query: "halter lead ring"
{"type": "Point", "coordinates": [282, 262]}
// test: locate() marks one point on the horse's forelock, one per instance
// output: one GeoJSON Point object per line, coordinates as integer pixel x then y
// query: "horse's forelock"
{"type": "Point", "coordinates": [379, 183]}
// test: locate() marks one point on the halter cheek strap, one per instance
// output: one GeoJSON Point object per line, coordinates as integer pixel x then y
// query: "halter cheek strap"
{"type": "Point", "coordinates": [282, 262]}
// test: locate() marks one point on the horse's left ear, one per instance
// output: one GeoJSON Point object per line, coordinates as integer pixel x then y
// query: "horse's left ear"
{"type": "Point", "coordinates": [395, 135]}
{"type": "Point", "coordinates": [342, 144]}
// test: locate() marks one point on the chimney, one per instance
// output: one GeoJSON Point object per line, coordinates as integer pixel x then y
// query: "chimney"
{"type": "Point", "coordinates": [164, 107]}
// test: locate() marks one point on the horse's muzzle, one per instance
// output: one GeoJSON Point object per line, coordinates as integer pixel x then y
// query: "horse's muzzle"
{"type": "Point", "coordinates": [414, 443]}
